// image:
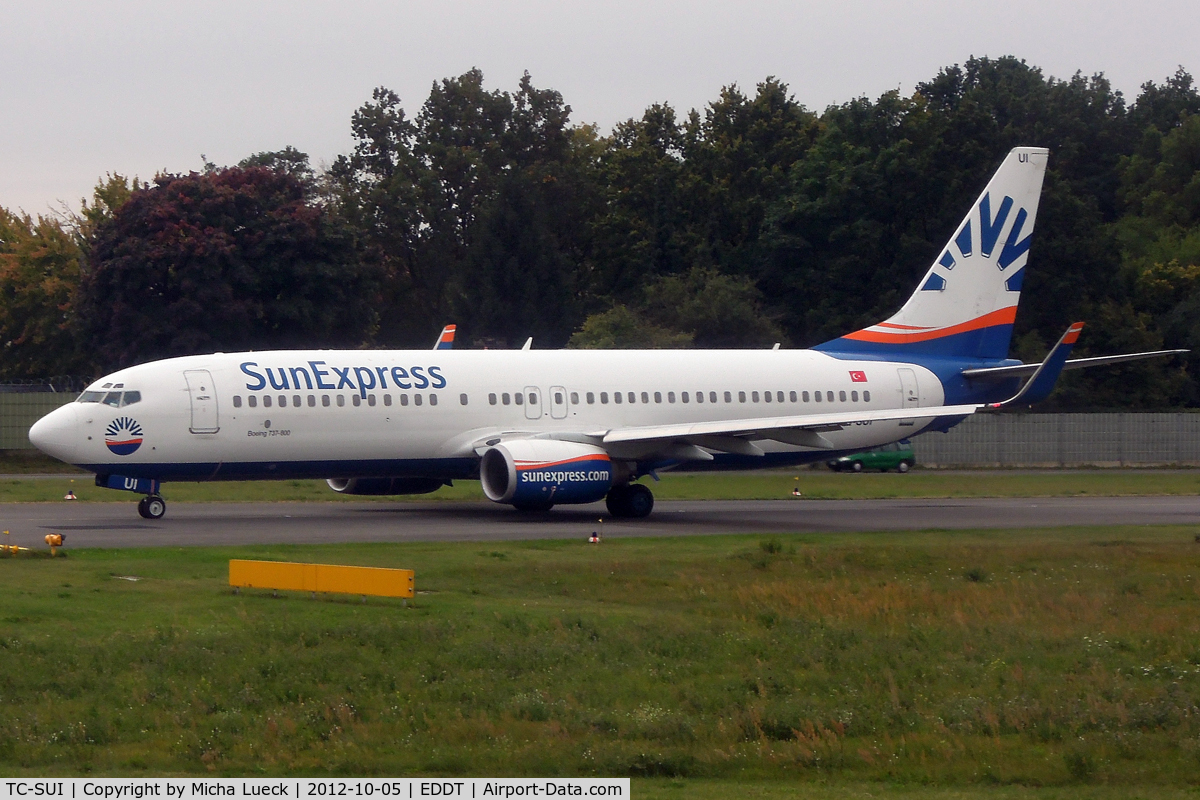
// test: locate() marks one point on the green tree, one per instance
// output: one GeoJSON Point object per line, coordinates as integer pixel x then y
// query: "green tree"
{"type": "Point", "coordinates": [230, 259]}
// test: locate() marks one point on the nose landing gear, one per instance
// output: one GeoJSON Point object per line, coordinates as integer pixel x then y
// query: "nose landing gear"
{"type": "Point", "coordinates": [152, 507]}
{"type": "Point", "coordinates": [630, 501]}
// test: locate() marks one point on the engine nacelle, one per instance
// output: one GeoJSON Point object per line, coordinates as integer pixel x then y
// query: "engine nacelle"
{"type": "Point", "coordinates": [538, 473]}
{"type": "Point", "coordinates": [385, 485]}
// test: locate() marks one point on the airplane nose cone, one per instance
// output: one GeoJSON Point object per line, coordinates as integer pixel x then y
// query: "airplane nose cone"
{"type": "Point", "coordinates": [56, 434]}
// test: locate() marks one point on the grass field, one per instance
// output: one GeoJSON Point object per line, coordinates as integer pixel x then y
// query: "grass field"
{"type": "Point", "coordinates": [786, 666]}
{"type": "Point", "coordinates": [813, 484]}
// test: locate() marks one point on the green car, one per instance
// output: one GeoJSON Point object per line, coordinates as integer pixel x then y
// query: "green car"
{"type": "Point", "coordinates": [898, 456]}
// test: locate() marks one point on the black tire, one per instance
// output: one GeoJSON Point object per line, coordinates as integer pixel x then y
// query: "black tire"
{"type": "Point", "coordinates": [152, 507]}
{"type": "Point", "coordinates": [856, 466]}
{"type": "Point", "coordinates": [640, 501]}
{"type": "Point", "coordinates": [617, 501]}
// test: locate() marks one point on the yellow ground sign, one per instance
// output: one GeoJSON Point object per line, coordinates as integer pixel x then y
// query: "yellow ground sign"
{"type": "Point", "coordinates": [290, 576]}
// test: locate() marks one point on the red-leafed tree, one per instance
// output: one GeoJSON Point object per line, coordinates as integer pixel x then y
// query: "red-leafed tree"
{"type": "Point", "coordinates": [229, 259]}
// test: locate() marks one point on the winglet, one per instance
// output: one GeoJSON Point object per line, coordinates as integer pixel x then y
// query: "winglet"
{"type": "Point", "coordinates": [1041, 383]}
{"type": "Point", "coordinates": [446, 340]}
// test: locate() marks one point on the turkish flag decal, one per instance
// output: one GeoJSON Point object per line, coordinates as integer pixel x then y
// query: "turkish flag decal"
{"type": "Point", "coordinates": [858, 376]}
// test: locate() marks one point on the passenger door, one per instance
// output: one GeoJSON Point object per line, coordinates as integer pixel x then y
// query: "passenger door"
{"type": "Point", "coordinates": [203, 397]}
{"type": "Point", "coordinates": [558, 402]}
{"type": "Point", "coordinates": [533, 402]}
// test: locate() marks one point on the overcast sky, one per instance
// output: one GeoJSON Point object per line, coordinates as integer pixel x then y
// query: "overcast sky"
{"type": "Point", "coordinates": [140, 87]}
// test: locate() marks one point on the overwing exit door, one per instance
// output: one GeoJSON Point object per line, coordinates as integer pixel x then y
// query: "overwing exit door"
{"type": "Point", "coordinates": [203, 397]}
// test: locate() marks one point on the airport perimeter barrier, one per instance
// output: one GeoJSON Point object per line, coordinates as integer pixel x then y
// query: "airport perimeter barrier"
{"type": "Point", "coordinates": [982, 440]}
{"type": "Point", "coordinates": [1119, 439]}
{"type": "Point", "coordinates": [19, 410]}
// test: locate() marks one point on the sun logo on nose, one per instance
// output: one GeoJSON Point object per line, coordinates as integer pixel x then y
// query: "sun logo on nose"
{"type": "Point", "coordinates": [123, 436]}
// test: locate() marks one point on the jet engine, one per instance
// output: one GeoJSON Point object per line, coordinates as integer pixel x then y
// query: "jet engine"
{"type": "Point", "coordinates": [385, 485]}
{"type": "Point", "coordinates": [539, 473]}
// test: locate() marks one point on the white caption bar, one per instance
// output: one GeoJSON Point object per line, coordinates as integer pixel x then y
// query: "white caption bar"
{"type": "Point", "coordinates": [308, 789]}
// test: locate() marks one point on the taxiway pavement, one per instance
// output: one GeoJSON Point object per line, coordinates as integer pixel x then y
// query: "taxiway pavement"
{"type": "Point", "coordinates": [197, 524]}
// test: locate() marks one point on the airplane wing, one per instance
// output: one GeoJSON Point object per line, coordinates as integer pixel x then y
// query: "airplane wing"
{"type": "Point", "coordinates": [737, 435]}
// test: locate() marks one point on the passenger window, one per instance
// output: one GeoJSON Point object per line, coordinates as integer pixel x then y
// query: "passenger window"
{"type": "Point", "coordinates": [404, 400]}
{"type": "Point", "coordinates": [324, 400]}
{"type": "Point", "coordinates": [779, 397]}
{"type": "Point", "coordinates": [532, 399]}
{"type": "Point", "coordinates": [266, 401]}
{"type": "Point", "coordinates": [113, 399]}
{"type": "Point", "coordinates": [416, 399]}
{"type": "Point", "coordinates": [741, 397]}
{"type": "Point", "coordinates": [791, 396]}
{"type": "Point", "coordinates": [767, 396]}
{"type": "Point", "coordinates": [804, 396]}
{"type": "Point", "coordinates": [252, 401]}
{"type": "Point", "coordinates": [683, 396]}
{"type": "Point", "coordinates": [341, 400]}
{"type": "Point", "coordinates": [237, 401]}
{"type": "Point", "coordinates": [604, 398]}
{"type": "Point", "coordinates": [842, 396]}
{"type": "Point", "coordinates": [558, 399]}
{"type": "Point", "coordinates": [433, 399]}
{"type": "Point", "coordinates": [728, 397]}
{"type": "Point", "coordinates": [296, 401]}
{"type": "Point", "coordinates": [829, 396]}
{"type": "Point", "coordinates": [854, 396]}
{"type": "Point", "coordinates": [631, 397]}
{"type": "Point", "coordinates": [370, 399]}
{"type": "Point", "coordinates": [356, 400]}
{"type": "Point", "coordinates": [130, 398]}
{"type": "Point", "coordinates": [754, 396]}
{"type": "Point", "coordinates": [312, 401]}
{"type": "Point", "coordinates": [505, 398]}
{"type": "Point", "coordinates": [817, 396]}
{"type": "Point", "coordinates": [283, 401]}
{"type": "Point", "coordinates": [591, 398]}
{"type": "Point", "coordinates": [646, 397]}
{"type": "Point", "coordinates": [462, 399]}
{"type": "Point", "coordinates": [866, 396]}
{"type": "Point", "coordinates": [387, 399]}
{"type": "Point", "coordinates": [658, 397]}
{"type": "Point", "coordinates": [617, 398]}
{"type": "Point", "coordinates": [574, 398]}
{"type": "Point", "coordinates": [712, 397]}
{"type": "Point", "coordinates": [670, 397]}
{"type": "Point", "coordinates": [491, 398]}
{"type": "Point", "coordinates": [699, 397]}
{"type": "Point", "coordinates": [518, 398]}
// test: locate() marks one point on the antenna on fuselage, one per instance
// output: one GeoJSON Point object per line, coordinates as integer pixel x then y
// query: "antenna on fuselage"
{"type": "Point", "coordinates": [528, 344]}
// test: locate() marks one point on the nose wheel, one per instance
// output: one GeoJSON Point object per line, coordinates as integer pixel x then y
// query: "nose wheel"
{"type": "Point", "coordinates": [632, 501]}
{"type": "Point", "coordinates": [152, 507]}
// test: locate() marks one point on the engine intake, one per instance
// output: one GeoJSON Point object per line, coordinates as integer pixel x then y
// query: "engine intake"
{"type": "Point", "coordinates": [377, 486]}
{"type": "Point", "coordinates": [539, 473]}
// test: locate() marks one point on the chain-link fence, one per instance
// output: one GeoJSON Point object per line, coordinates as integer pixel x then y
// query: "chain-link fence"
{"type": "Point", "coordinates": [20, 410]}
{"type": "Point", "coordinates": [1063, 440]}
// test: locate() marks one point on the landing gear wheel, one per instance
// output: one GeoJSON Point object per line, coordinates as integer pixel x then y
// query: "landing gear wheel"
{"type": "Point", "coordinates": [856, 466]}
{"type": "Point", "coordinates": [632, 501]}
{"type": "Point", "coordinates": [152, 507]}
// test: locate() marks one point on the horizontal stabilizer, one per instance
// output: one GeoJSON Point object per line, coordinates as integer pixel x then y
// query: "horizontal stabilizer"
{"type": "Point", "coordinates": [1020, 370]}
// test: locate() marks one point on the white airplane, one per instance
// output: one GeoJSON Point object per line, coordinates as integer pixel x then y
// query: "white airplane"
{"type": "Point", "coordinates": [540, 428]}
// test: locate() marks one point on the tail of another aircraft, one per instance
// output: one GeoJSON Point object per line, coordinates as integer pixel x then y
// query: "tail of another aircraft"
{"type": "Point", "coordinates": [965, 305]}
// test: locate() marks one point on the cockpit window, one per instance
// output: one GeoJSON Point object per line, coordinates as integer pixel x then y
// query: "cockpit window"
{"type": "Point", "coordinates": [91, 397]}
{"type": "Point", "coordinates": [130, 398]}
{"type": "Point", "coordinates": [113, 399]}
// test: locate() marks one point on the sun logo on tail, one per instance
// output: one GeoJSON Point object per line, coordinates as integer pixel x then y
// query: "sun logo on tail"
{"type": "Point", "coordinates": [123, 436]}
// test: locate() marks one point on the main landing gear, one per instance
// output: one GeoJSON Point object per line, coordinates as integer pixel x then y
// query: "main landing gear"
{"type": "Point", "coordinates": [152, 507]}
{"type": "Point", "coordinates": [630, 501]}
